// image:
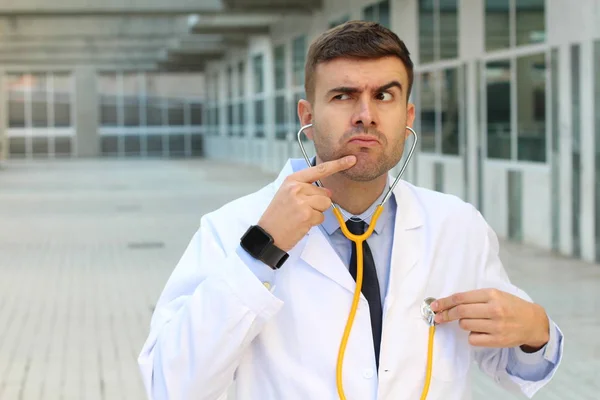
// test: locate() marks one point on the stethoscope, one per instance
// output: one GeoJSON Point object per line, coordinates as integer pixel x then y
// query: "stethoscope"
{"type": "Point", "coordinates": [426, 311]}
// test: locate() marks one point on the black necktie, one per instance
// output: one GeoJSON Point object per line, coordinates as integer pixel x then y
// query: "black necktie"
{"type": "Point", "coordinates": [370, 285]}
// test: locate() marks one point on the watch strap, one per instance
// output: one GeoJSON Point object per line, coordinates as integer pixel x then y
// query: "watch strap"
{"type": "Point", "coordinates": [273, 256]}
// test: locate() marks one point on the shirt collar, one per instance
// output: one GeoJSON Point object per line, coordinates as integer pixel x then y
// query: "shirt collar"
{"type": "Point", "coordinates": [331, 224]}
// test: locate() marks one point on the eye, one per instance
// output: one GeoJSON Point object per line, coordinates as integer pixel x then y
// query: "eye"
{"type": "Point", "coordinates": [385, 96]}
{"type": "Point", "coordinates": [342, 96]}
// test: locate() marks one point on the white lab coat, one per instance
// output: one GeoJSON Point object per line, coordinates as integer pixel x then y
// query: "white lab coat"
{"type": "Point", "coordinates": [216, 321]}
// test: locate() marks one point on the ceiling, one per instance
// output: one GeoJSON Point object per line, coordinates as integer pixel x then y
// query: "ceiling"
{"type": "Point", "coordinates": [178, 35]}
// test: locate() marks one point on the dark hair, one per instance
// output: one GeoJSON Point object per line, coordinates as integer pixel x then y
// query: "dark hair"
{"type": "Point", "coordinates": [355, 39]}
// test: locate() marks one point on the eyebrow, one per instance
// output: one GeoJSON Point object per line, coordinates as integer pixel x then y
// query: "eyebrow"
{"type": "Point", "coordinates": [352, 90]}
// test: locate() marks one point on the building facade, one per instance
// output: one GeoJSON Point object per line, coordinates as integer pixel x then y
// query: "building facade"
{"type": "Point", "coordinates": [507, 94]}
{"type": "Point", "coordinates": [508, 106]}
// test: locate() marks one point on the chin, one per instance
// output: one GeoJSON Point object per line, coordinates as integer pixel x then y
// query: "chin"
{"type": "Point", "coordinates": [359, 174]}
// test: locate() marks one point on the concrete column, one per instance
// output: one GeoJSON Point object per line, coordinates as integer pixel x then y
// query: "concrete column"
{"type": "Point", "coordinates": [404, 18]}
{"type": "Point", "coordinates": [86, 105]}
{"type": "Point", "coordinates": [561, 18]}
{"type": "Point", "coordinates": [3, 118]}
{"type": "Point", "coordinates": [566, 151]}
{"type": "Point", "coordinates": [471, 47]}
{"type": "Point", "coordinates": [588, 185]}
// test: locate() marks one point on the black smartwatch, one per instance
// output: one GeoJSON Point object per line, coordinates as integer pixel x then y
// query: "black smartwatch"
{"type": "Point", "coordinates": [260, 245]}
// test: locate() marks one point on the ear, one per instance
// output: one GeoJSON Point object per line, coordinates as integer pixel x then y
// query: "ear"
{"type": "Point", "coordinates": [305, 115]}
{"type": "Point", "coordinates": [410, 117]}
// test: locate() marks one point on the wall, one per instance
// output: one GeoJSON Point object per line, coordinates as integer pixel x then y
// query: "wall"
{"type": "Point", "coordinates": [521, 200]}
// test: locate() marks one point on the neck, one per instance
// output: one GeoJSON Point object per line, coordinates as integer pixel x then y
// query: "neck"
{"type": "Point", "coordinates": [354, 197]}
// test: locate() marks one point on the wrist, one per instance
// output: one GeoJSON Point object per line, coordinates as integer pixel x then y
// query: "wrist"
{"type": "Point", "coordinates": [540, 333]}
{"type": "Point", "coordinates": [260, 244]}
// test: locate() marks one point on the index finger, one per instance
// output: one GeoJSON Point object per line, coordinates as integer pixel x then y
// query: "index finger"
{"type": "Point", "coordinates": [313, 174]}
{"type": "Point", "coordinates": [471, 297]}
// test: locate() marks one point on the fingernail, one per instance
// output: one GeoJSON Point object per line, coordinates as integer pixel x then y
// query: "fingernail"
{"type": "Point", "coordinates": [434, 306]}
{"type": "Point", "coordinates": [350, 159]}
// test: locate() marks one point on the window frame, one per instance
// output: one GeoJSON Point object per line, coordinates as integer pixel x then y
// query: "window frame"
{"type": "Point", "coordinates": [440, 68]}
{"type": "Point", "coordinates": [512, 55]}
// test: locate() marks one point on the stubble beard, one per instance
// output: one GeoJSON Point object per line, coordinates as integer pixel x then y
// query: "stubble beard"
{"type": "Point", "coordinates": [366, 168]}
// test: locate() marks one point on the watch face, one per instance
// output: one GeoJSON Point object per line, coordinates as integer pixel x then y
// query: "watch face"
{"type": "Point", "coordinates": [256, 241]}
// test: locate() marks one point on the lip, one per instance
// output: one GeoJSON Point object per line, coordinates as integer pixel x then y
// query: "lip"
{"type": "Point", "coordinates": [364, 140]}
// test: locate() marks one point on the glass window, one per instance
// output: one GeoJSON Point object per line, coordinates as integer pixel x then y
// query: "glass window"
{"type": "Point", "coordinates": [497, 24]}
{"type": "Point", "coordinates": [154, 115]}
{"type": "Point", "coordinates": [369, 13]}
{"type": "Point", "coordinates": [514, 23]}
{"type": "Point", "coordinates": [229, 82]}
{"type": "Point", "coordinates": [241, 113]}
{"type": "Point", "coordinates": [196, 113]}
{"type": "Point", "coordinates": [514, 183]}
{"type": "Point", "coordinates": [230, 121]}
{"type": "Point", "coordinates": [176, 113]}
{"type": "Point", "coordinates": [154, 103]}
{"type": "Point", "coordinates": [17, 85]}
{"type": "Point", "coordinates": [531, 25]}
{"type": "Point", "coordinates": [426, 31]}
{"type": "Point", "coordinates": [280, 117]}
{"type": "Point", "coordinates": [450, 102]}
{"type": "Point", "coordinates": [298, 58]}
{"type": "Point", "coordinates": [339, 21]}
{"type": "Point", "coordinates": [259, 118]}
{"type": "Point", "coordinates": [280, 67]}
{"type": "Point", "coordinates": [257, 63]}
{"type": "Point", "coordinates": [428, 114]}
{"type": "Point", "coordinates": [378, 12]}
{"type": "Point", "coordinates": [131, 99]}
{"type": "Point", "coordinates": [384, 13]}
{"type": "Point", "coordinates": [438, 30]}
{"type": "Point", "coordinates": [448, 29]}
{"type": "Point", "coordinates": [62, 86]}
{"type": "Point", "coordinates": [531, 109]}
{"type": "Point", "coordinates": [39, 101]}
{"type": "Point", "coordinates": [498, 109]}
{"type": "Point", "coordinates": [241, 79]}
{"type": "Point", "coordinates": [217, 119]}
{"type": "Point", "coordinates": [108, 90]}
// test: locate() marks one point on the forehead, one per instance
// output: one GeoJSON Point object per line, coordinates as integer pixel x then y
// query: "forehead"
{"type": "Point", "coordinates": [365, 74]}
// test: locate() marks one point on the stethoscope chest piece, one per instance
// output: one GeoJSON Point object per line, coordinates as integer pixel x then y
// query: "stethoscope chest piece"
{"type": "Point", "coordinates": [426, 311]}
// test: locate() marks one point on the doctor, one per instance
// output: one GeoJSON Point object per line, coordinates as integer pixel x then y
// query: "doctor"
{"type": "Point", "coordinates": [262, 293]}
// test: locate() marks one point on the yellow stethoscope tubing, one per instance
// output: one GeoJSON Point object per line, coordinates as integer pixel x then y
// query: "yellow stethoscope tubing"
{"type": "Point", "coordinates": [359, 239]}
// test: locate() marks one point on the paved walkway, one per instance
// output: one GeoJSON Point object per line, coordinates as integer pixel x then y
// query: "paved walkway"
{"type": "Point", "coordinates": [86, 247]}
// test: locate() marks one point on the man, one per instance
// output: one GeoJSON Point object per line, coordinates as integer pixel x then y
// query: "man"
{"type": "Point", "coordinates": [262, 293]}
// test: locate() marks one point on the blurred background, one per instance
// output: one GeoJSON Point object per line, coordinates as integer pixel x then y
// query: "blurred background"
{"type": "Point", "coordinates": [122, 123]}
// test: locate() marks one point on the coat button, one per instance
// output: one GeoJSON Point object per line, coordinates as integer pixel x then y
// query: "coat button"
{"type": "Point", "coordinates": [267, 285]}
{"type": "Point", "coordinates": [368, 373]}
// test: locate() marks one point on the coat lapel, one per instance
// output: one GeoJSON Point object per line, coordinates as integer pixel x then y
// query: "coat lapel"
{"type": "Point", "coordinates": [409, 235]}
{"type": "Point", "coordinates": [319, 254]}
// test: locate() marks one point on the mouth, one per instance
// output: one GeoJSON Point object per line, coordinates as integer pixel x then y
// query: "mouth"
{"type": "Point", "coordinates": [364, 141]}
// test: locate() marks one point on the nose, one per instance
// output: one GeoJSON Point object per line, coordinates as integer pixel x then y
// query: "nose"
{"type": "Point", "coordinates": [365, 114]}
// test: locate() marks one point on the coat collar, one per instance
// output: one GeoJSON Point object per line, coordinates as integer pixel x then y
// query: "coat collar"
{"type": "Point", "coordinates": [316, 250]}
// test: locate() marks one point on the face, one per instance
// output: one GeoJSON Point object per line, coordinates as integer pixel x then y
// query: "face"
{"type": "Point", "coordinates": [360, 107]}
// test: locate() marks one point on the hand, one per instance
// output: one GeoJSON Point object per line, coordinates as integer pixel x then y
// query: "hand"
{"type": "Point", "coordinates": [298, 205]}
{"type": "Point", "coordinates": [495, 319]}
